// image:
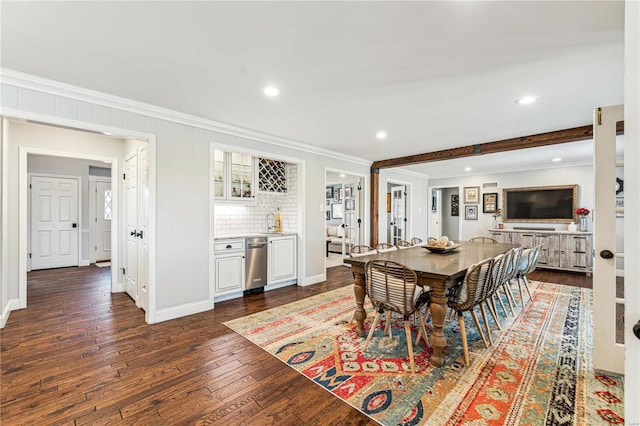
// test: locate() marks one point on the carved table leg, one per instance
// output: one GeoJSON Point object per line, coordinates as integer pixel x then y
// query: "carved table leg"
{"type": "Point", "coordinates": [359, 290]}
{"type": "Point", "coordinates": [438, 312]}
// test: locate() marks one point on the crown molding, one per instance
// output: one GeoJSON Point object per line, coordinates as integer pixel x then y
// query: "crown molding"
{"type": "Point", "coordinates": [411, 173]}
{"type": "Point", "coordinates": [28, 81]}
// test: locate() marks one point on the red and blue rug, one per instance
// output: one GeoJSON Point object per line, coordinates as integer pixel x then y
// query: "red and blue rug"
{"type": "Point", "coordinates": [538, 371]}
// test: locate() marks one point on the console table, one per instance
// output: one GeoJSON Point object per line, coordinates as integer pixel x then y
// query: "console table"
{"type": "Point", "coordinates": [564, 250]}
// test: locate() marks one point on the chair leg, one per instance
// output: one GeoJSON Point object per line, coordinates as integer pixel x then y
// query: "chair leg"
{"type": "Point", "coordinates": [373, 328]}
{"type": "Point", "coordinates": [387, 324]}
{"type": "Point", "coordinates": [521, 293]}
{"type": "Point", "coordinates": [407, 330]}
{"type": "Point", "coordinates": [504, 310]}
{"type": "Point", "coordinates": [486, 323]}
{"type": "Point", "coordinates": [475, 319]}
{"type": "Point", "coordinates": [422, 329]}
{"type": "Point", "coordinates": [526, 286]}
{"type": "Point", "coordinates": [492, 310]}
{"type": "Point", "coordinates": [509, 295]}
{"type": "Point", "coordinates": [463, 334]}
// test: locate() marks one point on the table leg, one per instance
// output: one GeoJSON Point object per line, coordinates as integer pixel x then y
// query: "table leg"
{"type": "Point", "coordinates": [359, 290]}
{"type": "Point", "coordinates": [438, 312]}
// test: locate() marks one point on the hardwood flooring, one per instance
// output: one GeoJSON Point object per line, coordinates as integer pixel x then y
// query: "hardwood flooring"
{"type": "Point", "coordinates": [79, 355]}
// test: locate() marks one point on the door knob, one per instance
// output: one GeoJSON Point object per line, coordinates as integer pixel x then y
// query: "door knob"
{"type": "Point", "coordinates": [636, 329]}
{"type": "Point", "coordinates": [139, 234]}
{"type": "Point", "coordinates": [133, 233]}
{"type": "Point", "coordinates": [606, 254]}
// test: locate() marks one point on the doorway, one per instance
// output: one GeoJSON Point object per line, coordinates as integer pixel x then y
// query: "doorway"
{"type": "Point", "coordinates": [445, 212]}
{"type": "Point", "coordinates": [398, 208]}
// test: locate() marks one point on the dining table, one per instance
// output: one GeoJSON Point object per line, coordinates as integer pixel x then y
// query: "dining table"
{"type": "Point", "coordinates": [438, 269]}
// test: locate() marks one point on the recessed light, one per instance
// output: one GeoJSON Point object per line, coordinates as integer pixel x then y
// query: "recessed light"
{"type": "Point", "coordinates": [271, 91]}
{"type": "Point", "coordinates": [342, 175]}
{"type": "Point", "coordinates": [555, 160]}
{"type": "Point", "coordinates": [381, 135]}
{"type": "Point", "coordinates": [467, 169]}
{"type": "Point", "coordinates": [526, 100]}
{"type": "Point", "coordinates": [107, 133]}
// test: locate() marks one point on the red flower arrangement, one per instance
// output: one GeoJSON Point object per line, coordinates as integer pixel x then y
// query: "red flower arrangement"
{"type": "Point", "coordinates": [582, 211]}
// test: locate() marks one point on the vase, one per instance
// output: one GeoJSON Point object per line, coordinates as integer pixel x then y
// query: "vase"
{"type": "Point", "coordinates": [495, 223]}
{"type": "Point", "coordinates": [582, 223]}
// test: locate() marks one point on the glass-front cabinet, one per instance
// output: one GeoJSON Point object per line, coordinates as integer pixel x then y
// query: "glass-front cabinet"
{"type": "Point", "coordinates": [233, 176]}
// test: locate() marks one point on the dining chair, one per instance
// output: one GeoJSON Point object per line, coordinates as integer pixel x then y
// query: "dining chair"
{"type": "Point", "coordinates": [528, 262]}
{"type": "Point", "coordinates": [415, 241]}
{"type": "Point", "coordinates": [385, 247]}
{"type": "Point", "coordinates": [391, 286]}
{"type": "Point", "coordinates": [469, 294]}
{"type": "Point", "coordinates": [510, 274]}
{"type": "Point", "coordinates": [483, 240]}
{"type": "Point", "coordinates": [362, 250]}
{"type": "Point", "coordinates": [403, 245]}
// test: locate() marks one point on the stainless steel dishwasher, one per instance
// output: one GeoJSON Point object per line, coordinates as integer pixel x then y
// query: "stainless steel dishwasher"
{"type": "Point", "coordinates": [255, 262]}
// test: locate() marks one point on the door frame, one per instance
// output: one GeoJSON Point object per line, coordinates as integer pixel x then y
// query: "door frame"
{"type": "Point", "coordinates": [30, 212]}
{"type": "Point", "coordinates": [442, 206]}
{"type": "Point", "coordinates": [24, 151]}
{"type": "Point", "coordinates": [364, 201]}
{"type": "Point", "coordinates": [93, 211]}
{"type": "Point", "coordinates": [408, 187]}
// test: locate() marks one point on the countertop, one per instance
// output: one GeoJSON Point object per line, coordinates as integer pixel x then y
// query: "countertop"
{"type": "Point", "coordinates": [254, 234]}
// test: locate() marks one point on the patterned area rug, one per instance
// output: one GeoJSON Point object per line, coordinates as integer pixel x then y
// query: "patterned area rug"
{"type": "Point", "coordinates": [538, 371]}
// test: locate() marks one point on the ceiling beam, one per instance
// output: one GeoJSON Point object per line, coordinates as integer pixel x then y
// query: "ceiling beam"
{"type": "Point", "coordinates": [522, 142]}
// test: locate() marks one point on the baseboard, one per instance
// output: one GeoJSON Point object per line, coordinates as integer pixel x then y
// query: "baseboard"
{"type": "Point", "coordinates": [12, 305]}
{"type": "Point", "coordinates": [228, 296]}
{"type": "Point", "coordinates": [119, 288]}
{"type": "Point", "coordinates": [182, 310]}
{"type": "Point", "coordinates": [280, 285]}
{"type": "Point", "coordinates": [313, 279]}
{"type": "Point", "coordinates": [84, 263]}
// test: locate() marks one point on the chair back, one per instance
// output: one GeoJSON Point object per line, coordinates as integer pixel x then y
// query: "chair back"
{"type": "Point", "coordinates": [474, 286]}
{"type": "Point", "coordinates": [528, 260]}
{"type": "Point", "coordinates": [512, 267]}
{"type": "Point", "coordinates": [499, 271]}
{"type": "Point", "coordinates": [385, 247]}
{"type": "Point", "coordinates": [391, 285]}
{"type": "Point", "coordinates": [403, 244]}
{"type": "Point", "coordinates": [483, 240]}
{"type": "Point", "coordinates": [416, 241]}
{"type": "Point", "coordinates": [362, 250]}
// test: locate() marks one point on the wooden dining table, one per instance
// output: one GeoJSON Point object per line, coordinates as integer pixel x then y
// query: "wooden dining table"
{"type": "Point", "coordinates": [439, 271]}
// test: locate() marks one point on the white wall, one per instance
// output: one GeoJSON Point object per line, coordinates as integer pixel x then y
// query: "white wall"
{"type": "Point", "coordinates": [450, 224]}
{"type": "Point", "coordinates": [182, 153]}
{"type": "Point", "coordinates": [581, 175]}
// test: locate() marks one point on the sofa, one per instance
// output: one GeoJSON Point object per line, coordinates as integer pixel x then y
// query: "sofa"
{"type": "Point", "coordinates": [335, 236]}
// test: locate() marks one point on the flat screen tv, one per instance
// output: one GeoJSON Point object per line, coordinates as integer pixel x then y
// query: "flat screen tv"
{"type": "Point", "coordinates": [555, 204]}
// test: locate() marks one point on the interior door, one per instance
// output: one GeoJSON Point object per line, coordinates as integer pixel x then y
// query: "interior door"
{"type": "Point", "coordinates": [131, 226]}
{"type": "Point", "coordinates": [102, 221]}
{"type": "Point", "coordinates": [398, 216]}
{"type": "Point", "coordinates": [608, 296]}
{"type": "Point", "coordinates": [54, 222]}
{"type": "Point", "coordinates": [143, 229]}
{"type": "Point", "coordinates": [436, 213]}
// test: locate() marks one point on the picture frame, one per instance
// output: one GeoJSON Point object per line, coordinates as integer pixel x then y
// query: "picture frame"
{"type": "Point", "coordinates": [471, 194]}
{"type": "Point", "coordinates": [434, 204]}
{"type": "Point", "coordinates": [350, 204]}
{"type": "Point", "coordinates": [336, 211]}
{"type": "Point", "coordinates": [388, 202]}
{"type": "Point", "coordinates": [619, 204]}
{"type": "Point", "coordinates": [347, 191]}
{"type": "Point", "coordinates": [455, 205]}
{"type": "Point", "coordinates": [327, 214]}
{"type": "Point", "coordinates": [490, 202]}
{"type": "Point", "coordinates": [329, 191]}
{"type": "Point", "coordinates": [328, 203]}
{"type": "Point", "coordinates": [336, 196]}
{"type": "Point", "coordinates": [471, 212]}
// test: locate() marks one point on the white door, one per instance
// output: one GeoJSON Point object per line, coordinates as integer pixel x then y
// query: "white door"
{"type": "Point", "coordinates": [143, 228]}
{"type": "Point", "coordinates": [436, 213]}
{"type": "Point", "coordinates": [608, 344]}
{"type": "Point", "coordinates": [102, 221]}
{"type": "Point", "coordinates": [54, 222]}
{"type": "Point", "coordinates": [131, 226]}
{"type": "Point", "coordinates": [398, 219]}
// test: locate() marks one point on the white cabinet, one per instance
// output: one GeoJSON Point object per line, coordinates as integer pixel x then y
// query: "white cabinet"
{"type": "Point", "coordinates": [564, 250]}
{"type": "Point", "coordinates": [282, 258]}
{"type": "Point", "coordinates": [233, 176]}
{"type": "Point", "coordinates": [229, 262]}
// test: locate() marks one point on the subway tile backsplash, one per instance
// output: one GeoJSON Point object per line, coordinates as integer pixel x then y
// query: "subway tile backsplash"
{"type": "Point", "coordinates": [238, 219]}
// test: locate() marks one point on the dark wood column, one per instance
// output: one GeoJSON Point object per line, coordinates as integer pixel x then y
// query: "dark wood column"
{"type": "Point", "coordinates": [375, 200]}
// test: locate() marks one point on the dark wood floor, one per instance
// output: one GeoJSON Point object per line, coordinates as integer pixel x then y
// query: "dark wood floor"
{"type": "Point", "coordinates": [79, 355]}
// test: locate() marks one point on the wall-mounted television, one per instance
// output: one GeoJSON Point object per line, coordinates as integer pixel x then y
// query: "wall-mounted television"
{"type": "Point", "coordinates": [555, 204]}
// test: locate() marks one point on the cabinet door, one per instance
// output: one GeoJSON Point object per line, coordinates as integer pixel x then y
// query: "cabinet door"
{"type": "Point", "coordinates": [574, 252]}
{"type": "Point", "coordinates": [550, 253]}
{"type": "Point", "coordinates": [229, 273]}
{"type": "Point", "coordinates": [219, 187]}
{"type": "Point", "coordinates": [501, 237]}
{"type": "Point", "coordinates": [241, 177]}
{"type": "Point", "coordinates": [282, 259]}
{"type": "Point", "coordinates": [526, 240]}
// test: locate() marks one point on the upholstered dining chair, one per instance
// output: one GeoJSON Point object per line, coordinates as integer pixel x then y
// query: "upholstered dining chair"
{"type": "Point", "coordinates": [528, 262]}
{"type": "Point", "coordinates": [415, 241]}
{"type": "Point", "coordinates": [469, 294]}
{"type": "Point", "coordinates": [403, 245]}
{"type": "Point", "coordinates": [385, 247]}
{"type": "Point", "coordinates": [483, 240]}
{"type": "Point", "coordinates": [391, 286]}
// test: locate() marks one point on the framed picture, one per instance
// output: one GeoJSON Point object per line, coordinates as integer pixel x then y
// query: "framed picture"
{"type": "Point", "coordinates": [490, 202]}
{"type": "Point", "coordinates": [434, 204]}
{"type": "Point", "coordinates": [336, 211]}
{"type": "Point", "coordinates": [471, 212]}
{"type": "Point", "coordinates": [455, 205]}
{"type": "Point", "coordinates": [388, 202]}
{"type": "Point", "coordinates": [347, 191]}
{"type": "Point", "coordinates": [471, 194]}
{"type": "Point", "coordinates": [328, 203]}
{"type": "Point", "coordinates": [336, 196]}
{"type": "Point", "coordinates": [329, 191]}
{"type": "Point", "coordinates": [619, 205]}
{"type": "Point", "coordinates": [328, 214]}
{"type": "Point", "coordinates": [350, 204]}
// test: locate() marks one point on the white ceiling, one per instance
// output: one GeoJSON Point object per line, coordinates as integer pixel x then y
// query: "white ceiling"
{"type": "Point", "coordinates": [433, 75]}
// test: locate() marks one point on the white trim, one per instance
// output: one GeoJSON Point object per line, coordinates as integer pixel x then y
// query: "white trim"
{"type": "Point", "coordinates": [182, 310]}
{"type": "Point", "coordinates": [93, 201]}
{"type": "Point", "coordinates": [12, 304]}
{"type": "Point", "coordinates": [84, 262]}
{"type": "Point", "coordinates": [227, 296]}
{"type": "Point", "coordinates": [313, 279]}
{"type": "Point", "coordinates": [4, 270]}
{"type": "Point", "coordinates": [22, 80]}
{"type": "Point", "coordinates": [406, 172]}
{"type": "Point", "coordinates": [29, 207]}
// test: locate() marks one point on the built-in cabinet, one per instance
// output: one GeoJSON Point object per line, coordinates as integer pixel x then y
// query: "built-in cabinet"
{"type": "Point", "coordinates": [234, 176]}
{"type": "Point", "coordinates": [229, 260]}
{"type": "Point", "coordinates": [282, 257]}
{"type": "Point", "coordinates": [564, 250]}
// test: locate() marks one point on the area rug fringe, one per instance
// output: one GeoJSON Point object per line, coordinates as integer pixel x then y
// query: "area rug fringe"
{"type": "Point", "coordinates": [538, 370]}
